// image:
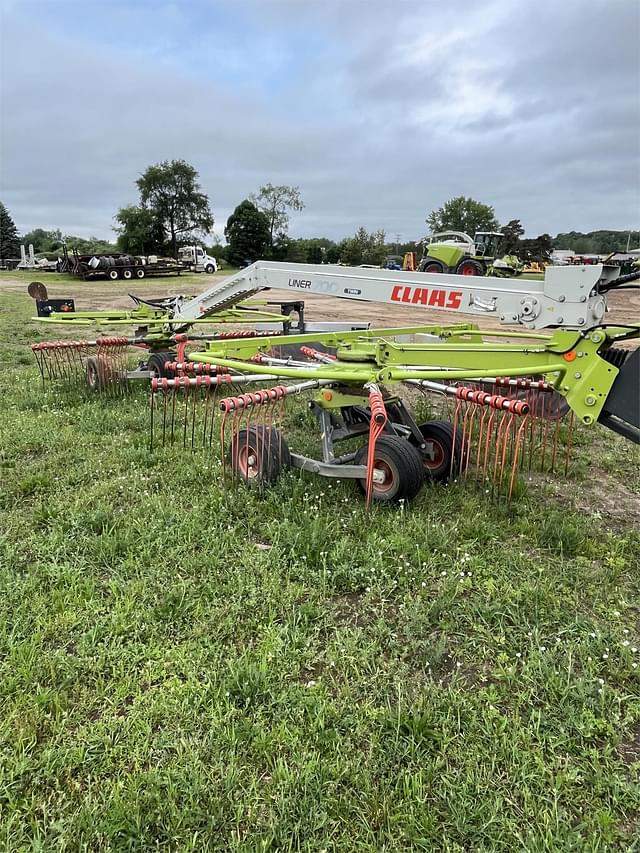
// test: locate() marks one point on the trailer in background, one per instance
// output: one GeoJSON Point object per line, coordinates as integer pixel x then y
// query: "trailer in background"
{"type": "Point", "coordinates": [116, 266]}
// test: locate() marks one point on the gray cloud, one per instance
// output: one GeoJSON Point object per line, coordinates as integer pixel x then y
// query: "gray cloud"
{"type": "Point", "coordinates": [379, 112]}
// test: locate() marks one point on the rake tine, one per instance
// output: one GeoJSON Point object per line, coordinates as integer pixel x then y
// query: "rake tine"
{"type": "Point", "coordinates": [456, 415]}
{"type": "Point", "coordinates": [520, 434]}
{"type": "Point", "coordinates": [569, 443]}
{"type": "Point", "coordinates": [195, 395]}
{"type": "Point", "coordinates": [207, 392]}
{"type": "Point", "coordinates": [482, 438]}
{"type": "Point", "coordinates": [487, 452]}
{"type": "Point", "coordinates": [151, 404]}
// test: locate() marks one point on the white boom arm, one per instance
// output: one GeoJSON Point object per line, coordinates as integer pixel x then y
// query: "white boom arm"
{"type": "Point", "coordinates": [567, 297]}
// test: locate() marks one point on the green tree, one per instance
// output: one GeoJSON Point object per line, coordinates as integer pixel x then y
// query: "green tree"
{"type": "Point", "coordinates": [512, 234]}
{"type": "Point", "coordinates": [276, 202]}
{"type": "Point", "coordinates": [333, 254]}
{"type": "Point", "coordinates": [9, 238]}
{"type": "Point", "coordinates": [599, 242]}
{"type": "Point", "coordinates": [364, 248]}
{"type": "Point", "coordinates": [139, 230]}
{"type": "Point", "coordinates": [43, 240]}
{"type": "Point", "coordinates": [536, 249]}
{"type": "Point", "coordinates": [171, 192]}
{"type": "Point", "coordinates": [463, 214]}
{"type": "Point", "coordinates": [247, 233]}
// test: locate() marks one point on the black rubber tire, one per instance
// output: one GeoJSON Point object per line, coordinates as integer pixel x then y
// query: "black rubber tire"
{"type": "Point", "coordinates": [113, 274]}
{"type": "Point", "coordinates": [259, 454]}
{"type": "Point", "coordinates": [156, 364]}
{"type": "Point", "coordinates": [440, 435]}
{"type": "Point", "coordinates": [100, 372]}
{"type": "Point", "coordinates": [469, 266]}
{"type": "Point", "coordinates": [140, 272]}
{"type": "Point", "coordinates": [403, 465]}
{"type": "Point", "coordinates": [431, 265]}
{"type": "Point", "coordinates": [127, 274]}
{"type": "Point", "coordinates": [210, 269]}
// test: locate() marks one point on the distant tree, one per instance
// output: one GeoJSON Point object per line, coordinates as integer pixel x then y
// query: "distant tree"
{"type": "Point", "coordinates": [247, 233]}
{"type": "Point", "coordinates": [333, 254]}
{"type": "Point", "coordinates": [537, 249]}
{"type": "Point", "coordinates": [364, 248]}
{"type": "Point", "coordinates": [43, 240]}
{"type": "Point", "coordinates": [280, 248]}
{"type": "Point", "coordinates": [170, 191]}
{"type": "Point", "coordinates": [218, 250]}
{"type": "Point", "coordinates": [276, 202]}
{"type": "Point", "coordinates": [463, 214]}
{"type": "Point", "coordinates": [512, 234]}
{"type": "Point", "coordinates": [597, 242]}
{"type": "Point", "coordinates": [139, 230]}
{"type": "Point", "coordinates": [315, 255]}
{"type": "Point", "coordinates": [89, 246]}
{"type": "Point", "coordinates": [9, 238]}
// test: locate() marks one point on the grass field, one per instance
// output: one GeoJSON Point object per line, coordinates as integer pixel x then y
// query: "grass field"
{"type": "Point", "coordinates": [185, 667]}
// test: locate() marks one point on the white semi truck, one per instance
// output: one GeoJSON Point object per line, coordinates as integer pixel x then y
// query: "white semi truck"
{"type": "Point", "coordinates": [197, 259]}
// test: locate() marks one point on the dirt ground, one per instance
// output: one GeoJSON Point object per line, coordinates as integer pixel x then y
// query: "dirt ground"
{"type": "Point", "coordinates": [624, 306]}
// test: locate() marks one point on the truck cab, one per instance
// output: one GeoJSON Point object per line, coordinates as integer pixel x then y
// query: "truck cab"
{"type": "Point", "coordinates": [197, 260]}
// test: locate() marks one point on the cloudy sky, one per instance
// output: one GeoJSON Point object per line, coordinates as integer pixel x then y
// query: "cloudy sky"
{"type": "Point", "coordinates": [379, 111]}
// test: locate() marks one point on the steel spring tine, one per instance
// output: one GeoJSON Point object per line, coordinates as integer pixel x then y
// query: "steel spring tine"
{"type": "Point", "coordinates": [207, 398]}
{"type": "Point", "coordinates": [214, 409]}
{"type": "Point", "coordinates": [466, 444]}
{"type": "Point", "coordinates": [194, 400]}
{"type": "Point", "coordinates": [482, 438]}
{"type": "Point", "coordinates": [164, 417]}
{"type": "Point", "coordinates": [456, 415]}
{"type": "Point", "coordinates": [508, 443]}
{"type": "Point", "coordinates": [497, 453]}
{"type": "Point", "coordinates": [569, 443]}
{"type": "Point", "coordinates": [522, 429]}
{"type": "Point", "coordinates": [268, 418]}
{"type": "Point", "coordinates": [185, 416]}
{"type": "Point", "coordinates": [556, 437]}
{"type": "Point", "coordinates": [151, 406]}
{"type": "Point", "coordinates": [173, 412]}
{"type": "Point", "coordinates": [488, 444]}
{"type": "Point", "coordinates": [235, 427]}
{"type": "Point", "coordinates": [545, 430]}
{"type": "Point", "coordinates": [472, 421]}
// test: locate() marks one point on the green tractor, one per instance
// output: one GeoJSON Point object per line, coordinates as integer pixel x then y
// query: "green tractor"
{"type": "Point", "coordinates": [455, 252]}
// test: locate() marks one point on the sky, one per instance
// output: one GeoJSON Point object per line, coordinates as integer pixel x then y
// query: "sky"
{"type": "Point", "coordinates": [378, 111]}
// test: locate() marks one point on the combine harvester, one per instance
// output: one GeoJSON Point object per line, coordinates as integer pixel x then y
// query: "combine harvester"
{"type": "Point", "coordinates": [514, 394]}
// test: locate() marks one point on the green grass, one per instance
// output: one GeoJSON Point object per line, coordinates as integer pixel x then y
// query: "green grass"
{"type": "Point", "coordinates": [185, 667]}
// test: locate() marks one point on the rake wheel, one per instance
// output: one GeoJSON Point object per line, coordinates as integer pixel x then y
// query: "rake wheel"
{"type": "Point", "coordinates": [401, 464]}
{"type": "Point", "coordinates": [258, 455]}
{"type": "Point", "coordinates": [436, 459]}
{"type": "Point", "coordinates": [101, 372]}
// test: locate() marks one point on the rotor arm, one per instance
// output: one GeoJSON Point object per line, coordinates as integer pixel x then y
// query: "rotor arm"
{"type": "Point", "coordinates": [568, 297]}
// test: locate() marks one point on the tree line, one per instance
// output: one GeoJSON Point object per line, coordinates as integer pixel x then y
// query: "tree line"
{"type": "Point", "coordinates": [173, 210]}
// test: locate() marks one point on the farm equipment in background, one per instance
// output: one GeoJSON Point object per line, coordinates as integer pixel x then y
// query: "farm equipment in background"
{"type": "Point", "coordinates": [32, 261]}
{"type": "Point", "coordinates": [118, 266]}
{"type": "Point", "coordinates": [456, 252]}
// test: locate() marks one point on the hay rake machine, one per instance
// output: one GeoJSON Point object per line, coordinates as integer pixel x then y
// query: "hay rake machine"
{"type": "Point", "coordinates": [502, 401]}
{"type": "Point", "coordinates": [511, 397]}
